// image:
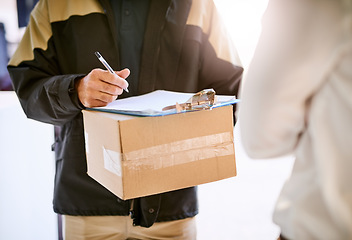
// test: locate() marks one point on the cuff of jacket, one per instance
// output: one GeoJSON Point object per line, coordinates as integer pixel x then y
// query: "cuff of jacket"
{"type": "Point", "coordinates": [69, 98]}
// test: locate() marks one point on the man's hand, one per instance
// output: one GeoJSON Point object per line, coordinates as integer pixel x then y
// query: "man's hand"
{"type": "Point", "coordinates": [100, 87]}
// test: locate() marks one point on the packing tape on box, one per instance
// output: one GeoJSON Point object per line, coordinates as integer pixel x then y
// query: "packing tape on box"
{"type": "Point", "coordinates": [181, 152]}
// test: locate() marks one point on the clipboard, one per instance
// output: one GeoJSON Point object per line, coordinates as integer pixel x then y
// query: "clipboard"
{"type": "Point", "coordinates": [152, 104]}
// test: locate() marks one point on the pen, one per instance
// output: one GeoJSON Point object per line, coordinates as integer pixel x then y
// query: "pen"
{"type": "Point", "coordinates": [102, 60]}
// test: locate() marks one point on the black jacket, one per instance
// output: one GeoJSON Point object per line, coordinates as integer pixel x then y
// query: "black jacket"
{"type": "Point", "coordinates": [185, 49]}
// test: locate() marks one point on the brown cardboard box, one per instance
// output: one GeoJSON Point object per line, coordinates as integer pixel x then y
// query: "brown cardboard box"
{"type": "Point", "coordinates": [139, 156]}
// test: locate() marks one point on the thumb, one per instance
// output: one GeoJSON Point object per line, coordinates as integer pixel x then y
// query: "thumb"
{"type": "Point", "coordinates": [123, 73]}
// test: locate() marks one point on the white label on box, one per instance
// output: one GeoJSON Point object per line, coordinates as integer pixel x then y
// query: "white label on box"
{"type": "Point", "coordinates": [112, 161]}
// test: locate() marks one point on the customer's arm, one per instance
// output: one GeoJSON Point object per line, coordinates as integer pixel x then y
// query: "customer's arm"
{"type": "Point", "coordinates": [283, 76]}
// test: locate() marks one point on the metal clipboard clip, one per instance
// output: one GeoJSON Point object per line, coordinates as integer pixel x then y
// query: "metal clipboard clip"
{"type": "Point", "coordinates": [204, 99]}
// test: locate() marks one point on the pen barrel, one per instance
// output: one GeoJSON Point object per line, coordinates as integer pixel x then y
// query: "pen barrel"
{"type": "Point", "coordinates": [107, 65]}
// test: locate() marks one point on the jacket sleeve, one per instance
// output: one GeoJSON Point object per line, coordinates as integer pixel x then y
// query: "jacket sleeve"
{"type": "Point", "coordinates": [44, 93]}
{"type": "Point", "coordinates": [221, 67]}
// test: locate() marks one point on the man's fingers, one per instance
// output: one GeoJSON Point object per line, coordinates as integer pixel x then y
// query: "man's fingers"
{"type": "Point", "coordinates": [100, 87]}
{"type": "Point", "coordinates": [95, 103]}
{"type": "Point", "coordinates": [110, 89]}
{"type": "Point", "coordinates": [123, 73]}
{"type": "Point", "coordinates": [106, 82]}
{"type": "Point", "coordinates": [98, 99]}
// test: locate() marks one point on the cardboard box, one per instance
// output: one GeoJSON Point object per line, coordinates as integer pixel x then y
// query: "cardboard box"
{"type": "Point", "coordinates": [139, 156]}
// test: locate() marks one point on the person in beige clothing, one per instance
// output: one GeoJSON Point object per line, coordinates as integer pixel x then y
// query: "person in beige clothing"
{"type": "Point", "coordinates": [297, 99]}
